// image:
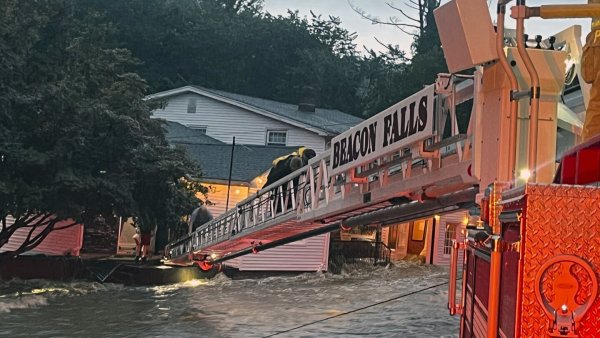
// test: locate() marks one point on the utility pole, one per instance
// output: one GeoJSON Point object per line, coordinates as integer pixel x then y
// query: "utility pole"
{"type": "Point", "coordinates": [229, 180]}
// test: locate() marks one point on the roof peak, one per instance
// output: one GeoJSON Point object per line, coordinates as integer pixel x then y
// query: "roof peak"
{"type": "Point", "coordinates": [325, 122]}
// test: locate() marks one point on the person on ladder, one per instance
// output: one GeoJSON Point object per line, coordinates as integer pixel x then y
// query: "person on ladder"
{"type": "Point", "coordinates": [287, 164]}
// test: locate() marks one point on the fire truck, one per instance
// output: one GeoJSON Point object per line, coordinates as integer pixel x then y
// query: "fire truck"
{"type": "Point", "coordinates": [531, 255]}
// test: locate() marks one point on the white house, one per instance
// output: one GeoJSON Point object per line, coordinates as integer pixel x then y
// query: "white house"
{"type": "Point", "coordinates": [204, 122]}
{"type": "Point", "coordinates": [263, 126]}
{"type": "Point", "coordinates": [253, 121]}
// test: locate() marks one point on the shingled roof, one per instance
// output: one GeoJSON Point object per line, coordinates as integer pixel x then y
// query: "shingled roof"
{"type": "Point", "coordinates": [249, 161]}
{"type": "Point", "coordinates": [332, 120]}
{"type": "Point", "coordinates": [324, 121]}
{"type": "Point", "coordinates": [213, 156]}
{"type": "Point", "coordinates": [178, 133]}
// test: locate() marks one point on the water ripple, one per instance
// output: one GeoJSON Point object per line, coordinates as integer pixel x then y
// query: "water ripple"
{"type": "Point", "coordinates": [222, 307]}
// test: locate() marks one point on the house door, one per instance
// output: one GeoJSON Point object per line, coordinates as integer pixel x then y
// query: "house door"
{"type": "Point", "coordinates": [449, 237]}
{"type": "Point", "coordinates": [398, 240]}
{"type": "Point", "coordinates": [416, 244]}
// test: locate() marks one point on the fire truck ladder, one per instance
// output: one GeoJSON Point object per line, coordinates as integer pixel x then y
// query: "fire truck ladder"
{"type": "Point", "coordinates": [428, 176]}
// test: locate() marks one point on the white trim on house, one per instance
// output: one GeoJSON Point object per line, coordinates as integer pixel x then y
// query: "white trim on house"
{"type": "Point", "coordinates": [195, 90]}
{"type": "Point", "coordinates": [456, 219]}
{"type": "Point", "coordinates": [199, 127]}
{"type": "Point", "coordinates": [276, 131]}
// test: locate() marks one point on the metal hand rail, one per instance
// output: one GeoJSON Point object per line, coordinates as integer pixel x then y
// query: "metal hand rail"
{"type": "Point", "coordinates": [452, 305]}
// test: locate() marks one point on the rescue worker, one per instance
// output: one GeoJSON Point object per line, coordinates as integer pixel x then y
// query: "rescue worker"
{"type": "Point", "coordinates": [199, 216]}
{"type": "Point", "coordinates": [590, 69]}
{"type": "Point", "coordinates": [285, 165]}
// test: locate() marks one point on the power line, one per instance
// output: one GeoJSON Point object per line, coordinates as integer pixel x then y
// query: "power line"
{"type": "Point", "coordinates": [359, 309]}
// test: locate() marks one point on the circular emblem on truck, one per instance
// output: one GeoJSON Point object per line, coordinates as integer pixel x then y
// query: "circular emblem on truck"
{"type": "Point", "coordinates": [565, 287]}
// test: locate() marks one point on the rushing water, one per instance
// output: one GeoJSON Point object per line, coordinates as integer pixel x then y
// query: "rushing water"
{"type": "Point", "coordinates": [222, 307]}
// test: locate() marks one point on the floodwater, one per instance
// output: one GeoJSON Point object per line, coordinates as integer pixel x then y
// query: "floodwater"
{"type": "Point", "coordinates": [223, 307]}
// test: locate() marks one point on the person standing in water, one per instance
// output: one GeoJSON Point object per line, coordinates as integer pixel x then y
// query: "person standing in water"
{"type": "Point", "coordinates": [142, 244]}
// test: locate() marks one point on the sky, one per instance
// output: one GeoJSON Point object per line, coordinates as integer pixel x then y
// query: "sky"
{"type": "Point", "coordinates": [388, 34]}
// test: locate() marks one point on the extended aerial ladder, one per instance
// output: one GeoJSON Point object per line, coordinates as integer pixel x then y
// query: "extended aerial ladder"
{"type": "Point", "coordinates": [411, 160]}
{"type": "Point", "coordinates": [399, 164]}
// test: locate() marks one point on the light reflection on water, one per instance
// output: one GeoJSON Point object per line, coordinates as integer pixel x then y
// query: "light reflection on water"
{"type": "Point", "coordinates": [222, 307]}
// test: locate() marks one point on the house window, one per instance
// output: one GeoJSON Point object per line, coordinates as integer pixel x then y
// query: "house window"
{"type": "Point", "coordinates": [418, 233]}
{"type": "Point", "coordinates": [276, 138]}
{"type": "Point", "coordinates": [199, 128]}
{"type": "Point", "coordinates": [449, 238]}
{"type": "Point", "coordinates": [191, 109]}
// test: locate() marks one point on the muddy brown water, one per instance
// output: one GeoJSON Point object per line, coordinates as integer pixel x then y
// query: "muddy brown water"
{"type": "Point", "coordinates": [223, 307]}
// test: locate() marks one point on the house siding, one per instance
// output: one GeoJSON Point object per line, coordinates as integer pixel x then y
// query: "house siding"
{"type": "Point", "coordinates": [217, 195]}
{"type": "Point", "coordinates": [311, 254]}
{"type": "Point", "coordinates": [455, 218]}
{"type": "Point", "coordinates": [385, 235]}
{"type": "Point", "coordinates": [58, 243]}
{"type": "Point", "coordinates": [223, 121]}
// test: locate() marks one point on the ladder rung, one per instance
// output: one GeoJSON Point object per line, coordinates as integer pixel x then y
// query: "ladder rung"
{"type": "Point", "coordinates": [378, 168]}
{"type": "Point", "coordinates": [446, 142]}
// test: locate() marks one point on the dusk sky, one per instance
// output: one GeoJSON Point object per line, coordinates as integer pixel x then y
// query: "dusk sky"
{"type": "Point", "coordinates": [389, 34]}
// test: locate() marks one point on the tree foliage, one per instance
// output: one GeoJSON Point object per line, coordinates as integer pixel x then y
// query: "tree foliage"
{"type": "Point", "coordinates": [403, 75]}
{"type": "Point", "coordinates": [76, 139]}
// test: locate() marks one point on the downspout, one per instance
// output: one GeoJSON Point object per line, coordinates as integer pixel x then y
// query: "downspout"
{"type": "Point", "coordinates": [514, 87]}
{"type": "Point", "coordinates": [230, 169]}
{"type": "Point", "coordinates": [433, 241]}
{"type": "Point", "coordinates": [519, 13]}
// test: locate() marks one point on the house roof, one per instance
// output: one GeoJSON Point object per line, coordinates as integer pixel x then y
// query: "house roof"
{"type": "Point", "coordinates": [249, 161]}
{"type": "Point", "coordinates": [325, 122]}
{"type": "Point", "coordinates": [213, 156]}
{"type": "Point", "coordinates": [178, 133]}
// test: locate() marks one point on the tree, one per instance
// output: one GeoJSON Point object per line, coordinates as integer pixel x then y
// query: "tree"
{"type": "Point", "coordinates": [383, 80]}
{"type": "Point", "coordinates": [77, 140]}
{"type": "Point", "coordinates": [330, 67]}
{"type": "Point", "coordinates": [237, 6]}
{"type": "Point", "coordinates": [236, 47]}
{"type": "Point", "coordinates": [391, 75]}
{"type": "Point", "coordinates": [412, 19]}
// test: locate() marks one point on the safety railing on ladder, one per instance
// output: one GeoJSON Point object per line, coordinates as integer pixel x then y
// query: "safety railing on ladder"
{"type": "Point", "coordinates": [302, 191]}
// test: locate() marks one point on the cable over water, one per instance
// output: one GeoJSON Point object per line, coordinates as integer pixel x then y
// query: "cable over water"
{"type": "Point", "coordinates": [358, 309]}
